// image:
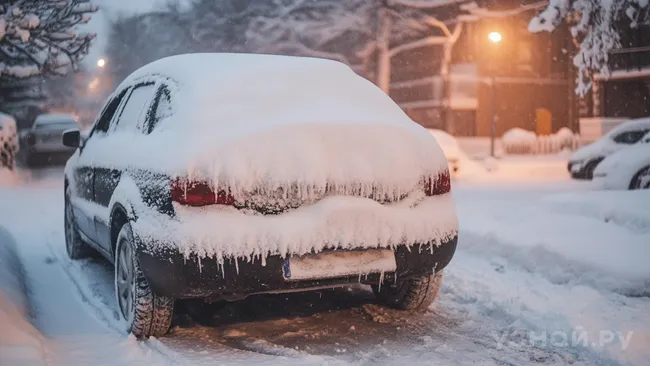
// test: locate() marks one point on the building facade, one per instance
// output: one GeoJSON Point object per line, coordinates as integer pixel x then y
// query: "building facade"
{"type": "Point", "coordinates": [527, 80]}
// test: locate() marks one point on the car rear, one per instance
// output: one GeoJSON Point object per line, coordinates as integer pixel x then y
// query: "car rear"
{"type": "Point", "coordinates": [215, 242]}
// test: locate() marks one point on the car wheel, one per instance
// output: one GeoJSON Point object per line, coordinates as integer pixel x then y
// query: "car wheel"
{"type": "Point", "coordinates": [411, 294]}
{"type": "Point", "coordinates": [145, 314]}
{"type": "Point", "coordinates": [641, 179]}
{"type": "Point", "coordinates": [74, 245]}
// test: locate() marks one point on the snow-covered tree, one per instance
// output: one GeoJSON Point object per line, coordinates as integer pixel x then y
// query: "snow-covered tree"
{"type": "Point", "coordinates": [363, 34]}
{"type": "Point", "coordinates": [39, 36]}
{"type": "Point", "coordinates": [596, 25]}
{"type": "Point", "coordinates": [137, 40]}
{"type": "Point", "coordinates": [352, 31]}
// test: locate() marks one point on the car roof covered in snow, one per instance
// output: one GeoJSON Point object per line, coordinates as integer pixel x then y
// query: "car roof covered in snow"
{"type": "Point", "coordinates": [54, 118]}
{"type": "Point", "coordinates": [235, 89]}
{"type": "Point", "coordinates": [631, 125]}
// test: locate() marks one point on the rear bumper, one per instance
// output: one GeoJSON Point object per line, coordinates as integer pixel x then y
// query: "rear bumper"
{"type": "Point", "coordinates": [171, 274]}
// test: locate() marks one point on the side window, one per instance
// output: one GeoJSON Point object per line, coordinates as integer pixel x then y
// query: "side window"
{"type": "Point", "coordinates": [160, 109]}
{"type": "Point", "coordinates": [107, 114]}
{"type": "Point", "coordinates": [134, 112]}
{"type": "Point", "coordinates": [629, 137]}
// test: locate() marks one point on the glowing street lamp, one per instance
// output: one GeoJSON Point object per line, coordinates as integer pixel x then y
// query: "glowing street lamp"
{"type": "Point", "coordinates": [495, 37]}
{"type": "Point", "coordinates": [101, 62]}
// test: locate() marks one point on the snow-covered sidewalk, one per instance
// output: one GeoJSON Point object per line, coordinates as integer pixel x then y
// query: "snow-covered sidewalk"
{"type": "Point", "coordinates": [548, 272]}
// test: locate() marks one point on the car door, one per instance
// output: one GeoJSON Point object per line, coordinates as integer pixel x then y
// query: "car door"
{"type": "Point", "coordinates": [128, 120]}
{"type": "Point", "coordinates": [83, 205]}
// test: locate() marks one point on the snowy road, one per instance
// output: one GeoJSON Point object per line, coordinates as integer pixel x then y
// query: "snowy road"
{"type": "Point", "coordinates": [537, 265]}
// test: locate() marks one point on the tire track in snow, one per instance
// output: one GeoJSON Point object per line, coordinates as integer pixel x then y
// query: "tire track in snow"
{"type": "Point", "coordinates": [100, 309]}
{"type": "Point", "coordinates": [92, 295]}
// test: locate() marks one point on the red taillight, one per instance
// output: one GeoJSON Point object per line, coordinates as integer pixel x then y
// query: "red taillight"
{"type": "Point", "coordinates": [437, 185]}
{"type": "Point", "coordinates": [199, 194]}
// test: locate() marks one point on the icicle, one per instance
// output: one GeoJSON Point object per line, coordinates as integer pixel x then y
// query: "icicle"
{"type": "Point", "coordinates": [200, 266]}
{"type": "Point", "coordinates": [223, 272]}
{"type": "Point", "coordinates": [381, 279]}
{"type": "Point", "coordinates": [236, 266]}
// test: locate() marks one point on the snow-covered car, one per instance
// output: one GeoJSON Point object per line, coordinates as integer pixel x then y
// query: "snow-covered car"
{"type": "Point", "coordinates": [8, 141]}
{"type": "Point", "coordinates": [450, 147]}
{"type": "Point", "coordinates": [218, 176]}
{"type": "Point", "coordinates": [584, 161]}
{"type": "Point", "coordinates": [626, 169]}
{"type": "Point", "coordinates": [44, 138]}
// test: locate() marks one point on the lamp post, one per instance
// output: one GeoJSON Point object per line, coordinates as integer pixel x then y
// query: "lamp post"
{"type": "Point", "coordinates": [101, 63]}
{"type": "Point", "coordinates": [495, 38]}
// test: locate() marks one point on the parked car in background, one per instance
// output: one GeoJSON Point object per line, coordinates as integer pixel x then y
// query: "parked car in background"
{"type": "Point", "coordinates": [626, 169]}
{"type": "Point", "coordinates": [450, 147]}
{"type": "Point", "coordinates": [218, 176]}
{"type": "Point", "coordinates": [8, 141]}
{"type": "Point", "coordinates": [584, 161]}
{"type": "Point", "coordinates": [44, 139]}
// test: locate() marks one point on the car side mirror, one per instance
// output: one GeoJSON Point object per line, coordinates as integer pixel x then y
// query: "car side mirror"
{"type": "Point", "coordinates": [72, 138]}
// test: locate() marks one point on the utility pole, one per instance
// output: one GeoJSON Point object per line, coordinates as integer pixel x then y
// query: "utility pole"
{"type": "Point", "coordinates": [385, 25]}
{"type": "Point", "coordinates": [495, 38]}
{"type": "Point", "coordinates": [493, 98]}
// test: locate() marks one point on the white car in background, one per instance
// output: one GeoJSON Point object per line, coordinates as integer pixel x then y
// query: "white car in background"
{"type": "Point", "coordinates": [626, 169]}
{"type": "Point", "coordinates": [450, 147]}
{"type": "Point", "coordinates": [585, 160]}
{"type": "Point", "coordinates": [44, 138]}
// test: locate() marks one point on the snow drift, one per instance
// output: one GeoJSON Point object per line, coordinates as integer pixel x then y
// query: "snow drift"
{"type": "Point", "coordinates": [20, 342]}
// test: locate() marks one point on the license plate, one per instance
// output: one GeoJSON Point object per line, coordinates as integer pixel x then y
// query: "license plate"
{"type": "Point", "coordinates": [338, 264]}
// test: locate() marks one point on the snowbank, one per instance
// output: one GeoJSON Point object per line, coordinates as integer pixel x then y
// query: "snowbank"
{"type": "Point", "coordinates": [517, 140]}
{"type": "Point", "coordinates": [520, 141]}
{"type": "Point", "coordinates": [591, 232]}
{"type": "Point", "coordinates": [448, 144]}
{"type": "Point", "coordinates": [459, 163]}
{"type": "Point", "coordinates": [518, 136]}
{"type": "Point", "coordinates": [20, 342]}
{"type": "Point", "coordinates": [250, 121]}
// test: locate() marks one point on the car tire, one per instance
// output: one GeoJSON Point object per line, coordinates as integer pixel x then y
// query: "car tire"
{"type": "Point", "coordinates": [637, 181]}
{"type": "Point", "coordinates": [411, 294]}
{"type": "Point", "coordinates": [145, 313]}
{"type": "Point", "coordinates": [74, 244]}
